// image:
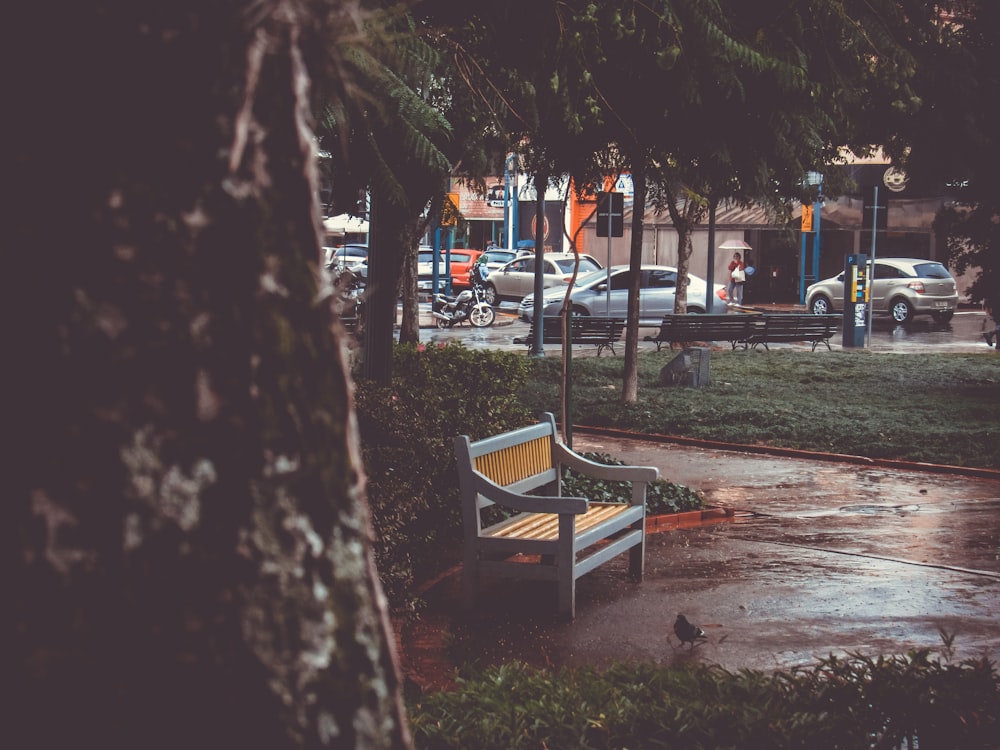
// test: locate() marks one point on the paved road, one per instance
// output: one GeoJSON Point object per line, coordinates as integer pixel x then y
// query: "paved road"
{"type": "Point", "coordinates": [824, 557]}
{"type": "Point", "coordinates": [922, 335]}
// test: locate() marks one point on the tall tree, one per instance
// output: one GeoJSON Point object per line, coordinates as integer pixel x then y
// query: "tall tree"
{"type": "Point", "coordinates": [391, 140]}
{"type": "Point", "coordinates": [952, 142]}
{"type": "Point", "coordinates": [186, 537]}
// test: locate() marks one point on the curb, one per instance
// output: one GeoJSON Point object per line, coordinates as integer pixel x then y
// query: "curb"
{"type": "Point", "coordinates": [688, 519]}
{"type": "Point", "coordinates": [889, 463]}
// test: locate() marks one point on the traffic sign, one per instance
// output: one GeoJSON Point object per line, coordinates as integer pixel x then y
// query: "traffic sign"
{"type": "Point", "coordinates": [610, 214]}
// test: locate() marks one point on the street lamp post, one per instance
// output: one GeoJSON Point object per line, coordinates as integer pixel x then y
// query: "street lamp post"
{"type": "Point", "coordinates": [813, 179]}
{"type": "Point", "coordinates": [510, 201]}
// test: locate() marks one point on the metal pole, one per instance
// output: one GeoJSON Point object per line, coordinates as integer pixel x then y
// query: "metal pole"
{"type": "Point", "coordinates": [871, 273]}
{"type": "Point", "coordinates": [710, 270]}
{"type": "Point", "coordinates": [607, 295]}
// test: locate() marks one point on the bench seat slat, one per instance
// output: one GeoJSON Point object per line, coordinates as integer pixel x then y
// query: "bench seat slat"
{"type": "Point", "coordinates": [545, 526]}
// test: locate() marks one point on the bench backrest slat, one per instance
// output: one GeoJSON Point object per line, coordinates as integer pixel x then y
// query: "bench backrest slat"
{"type": "Point", "coordinates": [516, 462]}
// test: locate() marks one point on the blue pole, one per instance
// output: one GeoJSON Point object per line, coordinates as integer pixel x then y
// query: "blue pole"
{"type": "Point", "coordinates": [434, 264]}
{"type": "Point", "coordinates": [816, 239]}
{"type": "Point", "coordinates": [802, 271]}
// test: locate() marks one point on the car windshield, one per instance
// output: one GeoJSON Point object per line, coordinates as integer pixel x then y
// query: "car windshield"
{"type": "Point", "coordinates": [931, 271]}
{"type": "Point", "coordinates": [425, 257]}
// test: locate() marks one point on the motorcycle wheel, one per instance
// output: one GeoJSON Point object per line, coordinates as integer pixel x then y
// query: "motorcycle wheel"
{"type": "Point", "coordinates": [482, 316]}
{"type": "Point", "coordinates": [442, 323]}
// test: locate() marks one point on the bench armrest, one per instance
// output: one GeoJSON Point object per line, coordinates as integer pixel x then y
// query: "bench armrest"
{"type": "Point", "coordinates": [604, 471]}
{"type": "Point", "coordinates": [528, 503]}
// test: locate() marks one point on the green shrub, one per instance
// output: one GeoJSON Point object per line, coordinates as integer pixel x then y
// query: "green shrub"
{"type": "Point", "coordinates": [857, 702]}
{"type": "Point", "coordinates": [661, 496]}
{"type": "Point", "coordinates": [407, 433]}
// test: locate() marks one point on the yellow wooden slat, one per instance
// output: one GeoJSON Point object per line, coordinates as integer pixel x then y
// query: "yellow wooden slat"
{"type": "Point", "coordinates": [545, 526]}
{"type": "Point", "coordinates": [509, 465]}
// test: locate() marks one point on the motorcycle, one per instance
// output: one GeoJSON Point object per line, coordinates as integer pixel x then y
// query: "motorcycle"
{"type": "Point", "coordinates": [470, 305]}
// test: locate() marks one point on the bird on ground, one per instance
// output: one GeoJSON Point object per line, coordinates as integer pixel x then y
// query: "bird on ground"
{"type": "Point", "coordinates": [687, 632]}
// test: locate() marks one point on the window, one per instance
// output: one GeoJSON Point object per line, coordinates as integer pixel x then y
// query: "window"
{"type": "Point", "coordinates": [883, 271]}
{"type": "Point", "coordinates": [662, 280]}
{"type": "Point", "coordinates": [620, 281]}
{"type": "Point", "coordinates": [932, 271]}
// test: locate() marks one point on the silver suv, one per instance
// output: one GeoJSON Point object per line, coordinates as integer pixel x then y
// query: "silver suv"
{"type": "Point", "coordinates": [901, 287]}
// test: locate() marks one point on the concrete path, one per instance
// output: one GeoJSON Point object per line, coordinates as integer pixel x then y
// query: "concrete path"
{"type": "Point", "coordinates": [822, 557]}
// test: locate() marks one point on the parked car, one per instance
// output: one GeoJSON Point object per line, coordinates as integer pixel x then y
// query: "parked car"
{"type": "Point", "coordinates": [462, 260]}
{"type": "Point", "coordinates": [657, 291]}
{"type": "Point", "coordinates": [901, 287]}
{"type": "Point", "coordinates": [498, 257]}
{"type": "Point", "coordinates": [350, 257]}
{"type": "Point", "coordinates": [425, 268]}
{"type": "Point", "coordinates": [515, 279]}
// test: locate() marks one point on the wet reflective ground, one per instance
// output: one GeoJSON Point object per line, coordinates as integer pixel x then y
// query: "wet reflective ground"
{"type": "Point", "coordinates": [823, 558]}
{"type": "Point", "coordinates": [962, 334]}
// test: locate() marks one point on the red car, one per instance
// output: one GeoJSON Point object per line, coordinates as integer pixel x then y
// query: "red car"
{"type": "Point", "coordinates": [462, 260]}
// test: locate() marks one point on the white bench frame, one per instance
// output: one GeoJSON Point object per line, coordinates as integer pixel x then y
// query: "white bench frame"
{"type": "Point", "coordinates": [572, 534]}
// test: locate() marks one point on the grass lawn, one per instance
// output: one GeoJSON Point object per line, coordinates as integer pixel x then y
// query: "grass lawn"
{"type": "Point", "coordinates": [938, 408]}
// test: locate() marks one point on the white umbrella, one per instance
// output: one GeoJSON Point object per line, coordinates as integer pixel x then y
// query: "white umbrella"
{"type": "Point", "coordinates": [345, 224]}
{"type": "Point", "coordinates": [734, 245]}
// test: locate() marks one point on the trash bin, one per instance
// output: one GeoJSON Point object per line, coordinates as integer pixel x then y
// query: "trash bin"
{"type": "Point", "coordinates": [689, 368]}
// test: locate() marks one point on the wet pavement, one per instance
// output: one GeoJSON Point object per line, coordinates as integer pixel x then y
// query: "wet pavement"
{"type": "Point", "coordinates": [963, 334]}
{"type": "Point", "coordinates": [819, 557]}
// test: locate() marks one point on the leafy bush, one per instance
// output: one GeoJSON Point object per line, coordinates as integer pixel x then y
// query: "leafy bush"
{"type": "Point", "coordinates": [661, 496]}
{"type": "Point", "coordinates": [407, 432]}
{"type": "Point", "coordinates": [857, 702]}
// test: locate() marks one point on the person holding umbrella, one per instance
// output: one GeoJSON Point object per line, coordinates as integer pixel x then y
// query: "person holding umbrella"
{"type": "Point", "coordinates": [737, 278]}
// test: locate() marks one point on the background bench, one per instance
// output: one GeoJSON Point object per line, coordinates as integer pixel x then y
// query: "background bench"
{"type": "Point", "coordinates": [603, 333]}
{"type": "Point", "coordinates": [789, 327]}
{"type": "Point", "coordinates": [571, 535]}
{"type": "Point", "coordinates": [736, 329]}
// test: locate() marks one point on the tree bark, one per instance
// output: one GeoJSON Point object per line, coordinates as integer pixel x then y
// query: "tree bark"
{"type": "Point", "coordinates": [186, 534]}
{"type": "Point", "coordinates": [630, 377]}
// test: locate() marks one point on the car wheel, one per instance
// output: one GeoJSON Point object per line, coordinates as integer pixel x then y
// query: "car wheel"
{"type": "Point", "coordinates": [580, 312]}
{"type": "Point", "coordinates": [482, 316]}
{"type": "Point", "coordinates": [902, 311]}
{"type": "Point", "coordinates": [820, 306]}
{"type": "Point", "coordinates": [490, 293]}
{"type": "Point", "coordinates": [696, 311]}
{"type": "Point", "coordinates": [943, 316]}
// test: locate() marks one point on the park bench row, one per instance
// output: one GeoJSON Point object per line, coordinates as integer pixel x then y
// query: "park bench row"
{"type": "Point", "coordinates": [748, 330]}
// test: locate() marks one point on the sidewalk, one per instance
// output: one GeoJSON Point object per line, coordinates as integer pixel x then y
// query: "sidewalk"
{"type": "Point", "coordinates": [818, 557]}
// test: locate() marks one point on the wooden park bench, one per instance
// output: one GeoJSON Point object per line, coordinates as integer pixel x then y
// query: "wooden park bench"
{"type": "Point", "coordinates": [736, 329]}
{"type": "Point", "coordinates": [545, 536]}
{"type": "Point", "coordinates": [603, 333]}
{"type": "Point", "coordinates": [791, 327]}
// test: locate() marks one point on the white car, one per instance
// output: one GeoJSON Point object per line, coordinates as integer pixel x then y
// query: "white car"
{"type": "Point", "coordinates": [515, 279]}
{"type": "Point", "coordinates": [352, 258]}
{"type": "Point", "coordinates": [497, 257]}
{"type": "Point", "coordinates": [657, 291]}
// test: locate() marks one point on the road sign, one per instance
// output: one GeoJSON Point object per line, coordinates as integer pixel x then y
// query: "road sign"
{"type": "Point", "coordinates": [807, 217]}
{"type": "Point", "coordinates": [450, 210]}
{"type": "Point", "coordinates": [875, 209]}
{"type": "Point", "coordinates": [610, 214]}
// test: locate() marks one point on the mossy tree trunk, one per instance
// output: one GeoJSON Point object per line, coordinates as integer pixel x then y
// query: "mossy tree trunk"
{"type": "Point", "coordinates": [186, 532]}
